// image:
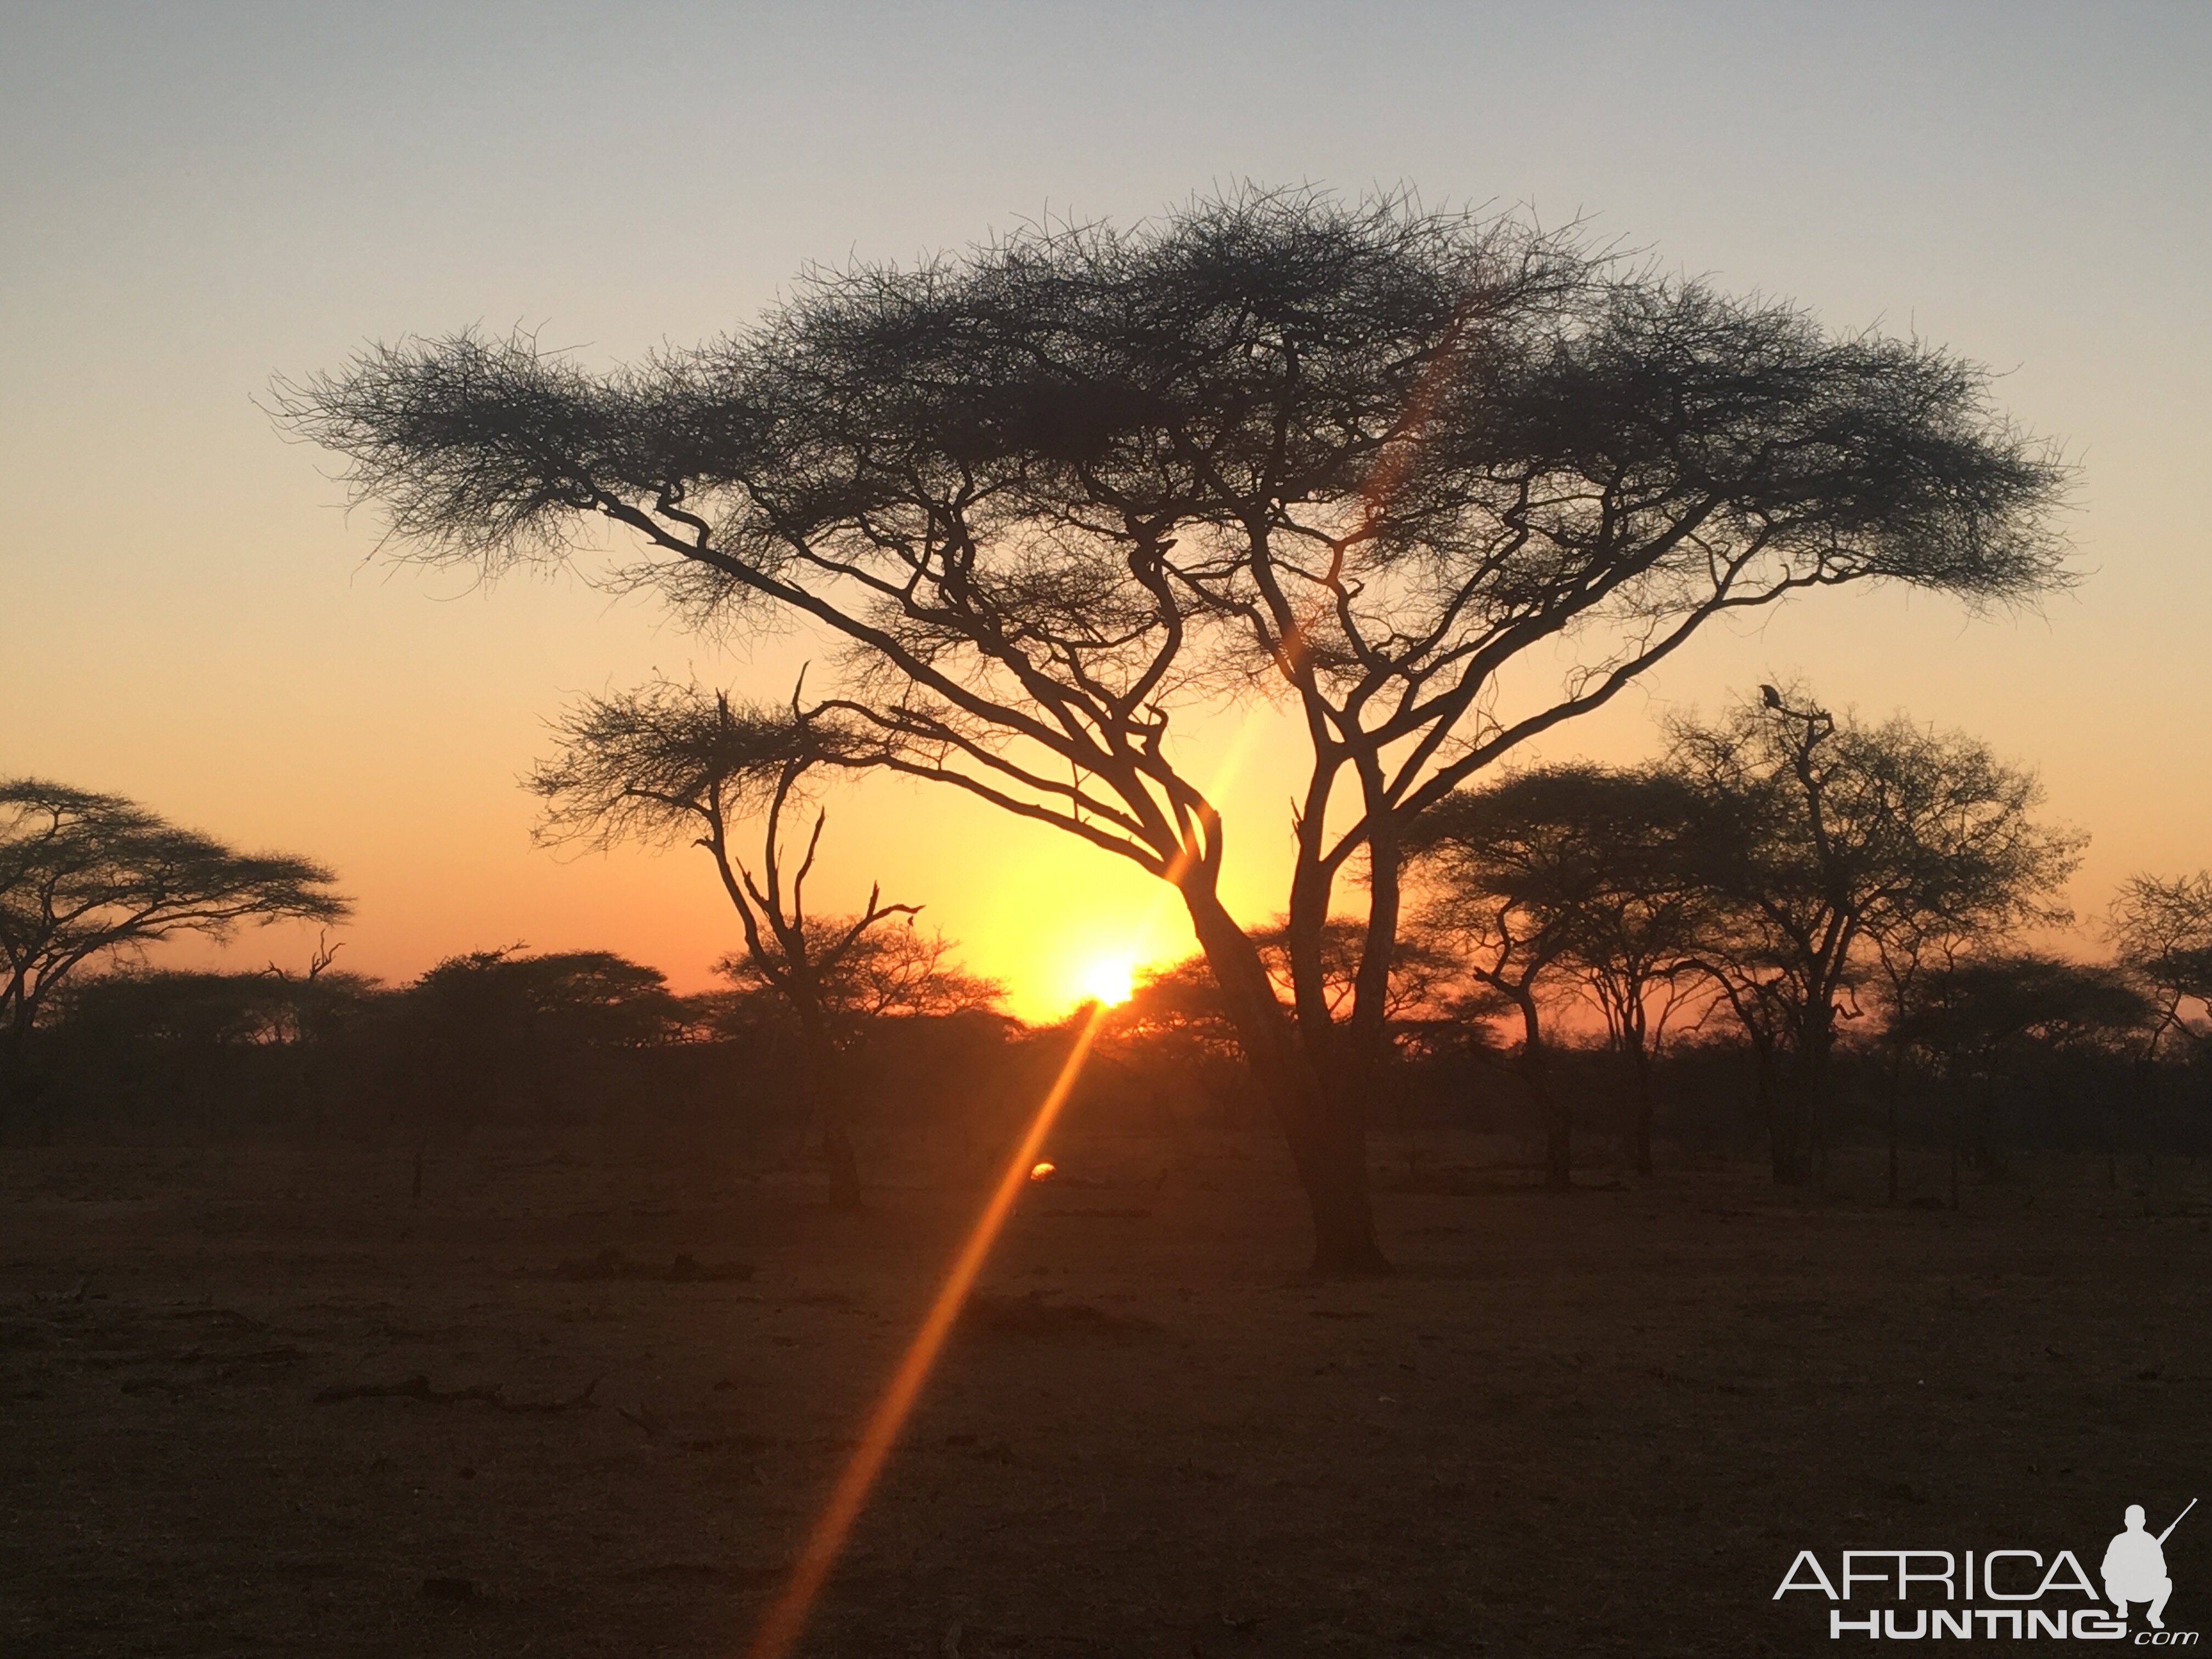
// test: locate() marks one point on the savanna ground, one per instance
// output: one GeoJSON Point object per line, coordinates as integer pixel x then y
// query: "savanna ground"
{"type": "Point", "coordinates": [1597, 1422]}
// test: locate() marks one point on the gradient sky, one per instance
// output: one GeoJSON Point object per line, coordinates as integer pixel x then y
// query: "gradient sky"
{"type": "Point", "coordinates": [195, 198]}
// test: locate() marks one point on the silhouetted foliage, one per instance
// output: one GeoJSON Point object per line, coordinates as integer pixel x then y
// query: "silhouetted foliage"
{"type": "Point", "coordinates": [1983, 1021]}
{"type": "Point", "coordinates": [667, 762]}
{"type": "Point", "coordinates": [502, 1033]}
{"type": "Point", "coordinates": [86, 876]}
{"type": "Point", "coordinates": [1578, 873]}
{"type": "Point", "coordinates": [898, 972]}
{"type": "Point", "coordinates": [2162, 930]}
{"type": "Point", "coordinates": [1508, 868]}
{"type": "Point", "coordinates": [1836, 845]}
{"type": "Point", "coordinates": [1366, 455]}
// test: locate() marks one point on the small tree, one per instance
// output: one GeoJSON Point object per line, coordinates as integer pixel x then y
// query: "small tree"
{"type": "Point", "coordinates": [672, 761]}
{"type": "Point", "coordinates": [1981, 1018]}
{"type": "Point", "coordinates": [86, 876]}
{"type": "Point", "coordinates": [494, 1030]}
{"type": "Point", "coordinates": [1638, 912]}
{"type": "Point", "coordinates": [1514, 873]}
{"type": "Point", "coordinates": [2163, 932]}
{"type": "Point", "coordinates": [1833, 843]}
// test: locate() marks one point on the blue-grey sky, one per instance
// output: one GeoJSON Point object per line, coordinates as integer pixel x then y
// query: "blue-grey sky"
{"type": "Point", "coordinates": [193, 198]}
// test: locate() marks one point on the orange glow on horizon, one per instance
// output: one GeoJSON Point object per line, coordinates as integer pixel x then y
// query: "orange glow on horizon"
{"type": "Point", "coordinates": [1042, 1171]}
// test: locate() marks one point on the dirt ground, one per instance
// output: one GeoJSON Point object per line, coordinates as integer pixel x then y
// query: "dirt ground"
{"type": "Point", "coordinates": [1598, 1423]}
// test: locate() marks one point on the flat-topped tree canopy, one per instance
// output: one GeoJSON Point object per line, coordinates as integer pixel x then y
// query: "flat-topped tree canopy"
{"type": "Point", "coordinates": [1360, 455]}
{"type": "Point", "coordinates": [86, 876]}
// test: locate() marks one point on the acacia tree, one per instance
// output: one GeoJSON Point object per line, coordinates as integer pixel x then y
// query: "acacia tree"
{"type": "Point", "coordinates": [1833, 843]}
{"type": "Point", "coordinates": [2162, 930]}
{"type": "Point", "coordinates": [1613, 858]}
{"type": "Point", "coordinates": [1977, 1019]}
{"type": "Point", "coordinates": [1364, 456]}
{"type": "Point", "coordinates": [1523, 877]}
{"type": "Point", "coordinates": [85, 876]}
{"type": "Point", "coordinates": [669, 762]}
{"type": "Point", "coordinates": [491, 1031]}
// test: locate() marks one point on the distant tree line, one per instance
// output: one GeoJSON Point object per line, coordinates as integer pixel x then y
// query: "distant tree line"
{"type": "Point", "coordinates": [583, 1050]}
{"type": "Point", "coordinates": [1850, 911]}
{"type": "Point", "coordinates": [1793, 930]}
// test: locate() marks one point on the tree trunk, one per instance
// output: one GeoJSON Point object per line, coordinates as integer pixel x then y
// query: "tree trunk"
{"type": "Point", "coordinates": [1958, 1141]}
{"type": "Point", "coordinates": [1804, 1095]}
{"type": "Point", "coordinates": [1766, 1096]}
{"type": "Point", "coordinates": [1326, 1129]}
{"type": "Point", "coordinates": [1783, 1087]}
{"type": "Point", "coordinates": [1646, 1108]}
{"type": "Point", "coordinates": [1559, 1121]}
{"type": "Point", "coordinates": [1368, 1040]}
{"type": "Point", "coordinates": [844, 1169]}
{"type": "Point", "coordinates": [1890, 1130]}
{"type": "Point", "coordinates": [1889, 1119]}
{"type": "Point", "coordinates": [1536, 1074]}
{"type": "Point", "coordinates": [818, 1065]}
{"type": "Point", "coordinates": [1798, 1117]}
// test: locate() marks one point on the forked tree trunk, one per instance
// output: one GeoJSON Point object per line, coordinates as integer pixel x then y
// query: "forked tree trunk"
{"type": "Point", "coordinates": [1327, 1130]}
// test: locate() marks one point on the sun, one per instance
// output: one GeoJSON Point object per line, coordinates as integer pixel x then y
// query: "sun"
{"type": "Point", "coordinates": [1107, 979]}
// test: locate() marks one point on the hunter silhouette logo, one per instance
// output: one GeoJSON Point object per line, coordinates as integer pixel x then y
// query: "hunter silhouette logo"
{"type": "Point", "coordinates": [2135, 1566]}
{"type": "Point", "coordinates": [2022, 1594]}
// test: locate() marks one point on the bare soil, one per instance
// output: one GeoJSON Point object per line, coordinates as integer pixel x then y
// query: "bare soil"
{"type": "Point", "coordinates": [255, 1403]}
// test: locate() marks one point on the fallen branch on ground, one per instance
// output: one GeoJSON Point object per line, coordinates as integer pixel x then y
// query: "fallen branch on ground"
{"type": "Point", "coordinates": [418, 1388]}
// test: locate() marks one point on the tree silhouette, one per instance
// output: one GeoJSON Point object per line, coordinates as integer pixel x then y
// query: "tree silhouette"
{"type": "Point", "coordinates": [1980, 1018]}
{"type": "Point", "coordinates": [670, 762]}
{"type": "Point", "coordinates": [2162, 930]}
{"type": "Point", "coordinates": [1054, 493]}
{"type": "Point", "coordinates": [85, 876]}
{"type": "Point", "coordinates": [1551, 873]}
{"type": "Point", "coordinates": [1618, 855]}
{"type": "Point", "coordinates": [491, 1032]}
{"type": "Point", "coordinates": [1833, 842]}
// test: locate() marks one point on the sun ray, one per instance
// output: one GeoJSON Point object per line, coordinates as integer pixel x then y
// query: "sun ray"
{"type": "Point", "coordinates": [786, 1619]}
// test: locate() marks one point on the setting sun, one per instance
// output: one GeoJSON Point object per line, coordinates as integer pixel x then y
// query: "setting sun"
{"type": "Point", "coordinates": [1107, 979]}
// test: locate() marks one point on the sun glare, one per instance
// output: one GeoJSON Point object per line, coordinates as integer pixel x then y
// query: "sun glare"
{"type": "Point", "coordinates": [1108, 979]}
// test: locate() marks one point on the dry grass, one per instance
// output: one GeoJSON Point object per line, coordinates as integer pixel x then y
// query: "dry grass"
{"type": "Point", "coordinates": [1597, 1423]}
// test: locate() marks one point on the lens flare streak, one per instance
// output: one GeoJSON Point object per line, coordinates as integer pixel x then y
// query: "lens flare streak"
{"type": "Point", "coordinates": [786, 1619]}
